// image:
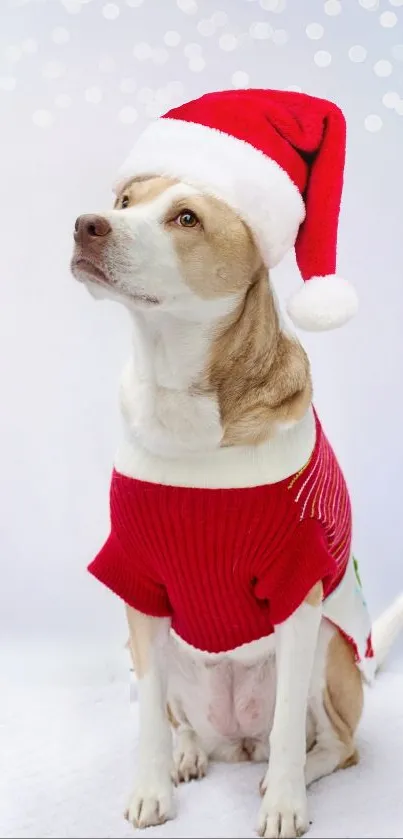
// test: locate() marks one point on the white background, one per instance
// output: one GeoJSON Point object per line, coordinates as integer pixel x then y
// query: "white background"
{"type": "Point", "coordinates": [76, 86]}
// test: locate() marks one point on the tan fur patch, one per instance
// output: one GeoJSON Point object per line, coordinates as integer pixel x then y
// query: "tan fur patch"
{"type": "Point", "coordinates": [343, 696]}
{"type": "Point", "coordinates": [143, 189]}
{"type": "Point", "coordinates": [172, 719]}
{"type": "Point", "coordinates": [315, 595]}
{"type": "Point", "coordinates": [261, 376]}
{"type": "Point", "coordinates": [352, 760]}
{"type": "Point", "coordinates": [142, 629]}
{"type": "Point", "coordinates": [218, 257]}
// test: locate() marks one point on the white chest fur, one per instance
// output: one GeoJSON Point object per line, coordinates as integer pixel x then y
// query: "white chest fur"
{"type": "Point", "coordinates": [162, 412]}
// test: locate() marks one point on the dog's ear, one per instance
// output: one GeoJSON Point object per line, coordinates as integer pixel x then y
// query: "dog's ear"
{"type": "Point", "coordinates": [261, 376]}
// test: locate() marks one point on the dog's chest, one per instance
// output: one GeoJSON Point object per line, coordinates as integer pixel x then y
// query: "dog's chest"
{"type": "Point", "coordinates": [162, 408]}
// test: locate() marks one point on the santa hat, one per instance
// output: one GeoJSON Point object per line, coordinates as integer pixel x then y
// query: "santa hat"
{"type": "Point", "coordinates": [276, 157]}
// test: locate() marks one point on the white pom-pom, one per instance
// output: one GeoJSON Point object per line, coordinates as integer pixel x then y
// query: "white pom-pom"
{"type": "Point", "coordinates": [323, 303]}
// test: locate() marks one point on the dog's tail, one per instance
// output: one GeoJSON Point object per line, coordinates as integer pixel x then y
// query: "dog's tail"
{"type": "Point", "coordinates": [385, 630]}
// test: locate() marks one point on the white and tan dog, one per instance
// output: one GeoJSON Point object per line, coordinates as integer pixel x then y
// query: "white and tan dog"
{"type": "Point", "coordinates": [214, 383]}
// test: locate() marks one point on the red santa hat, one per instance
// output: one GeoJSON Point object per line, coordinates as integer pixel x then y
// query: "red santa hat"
{"type": "Point", "coordinates": [277, 157]}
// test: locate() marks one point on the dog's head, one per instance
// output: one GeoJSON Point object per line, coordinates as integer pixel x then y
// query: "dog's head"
{"type": "Point", "coordinates": [168, 247]}
{"type": "Point", "coordinates": [165, 245]}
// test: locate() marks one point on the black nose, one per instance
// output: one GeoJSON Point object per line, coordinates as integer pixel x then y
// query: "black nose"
{"type": "Point", "coordinates": [90, 229]}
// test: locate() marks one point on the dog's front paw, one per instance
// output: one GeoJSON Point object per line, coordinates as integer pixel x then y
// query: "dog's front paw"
{"type": "Point", "coordinates": [190, 759]}
{"type": "Point", "coordinates": [284, 811]}
{"type": "Point", "coordinates": [152, 800]}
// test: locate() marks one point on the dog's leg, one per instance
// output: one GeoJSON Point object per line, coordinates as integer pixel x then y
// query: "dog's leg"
{"type": "Point", "coordinates": [283, 810]}
{"type": "Point", "coordinates": [152, 799]}
{"type": "Point", "coordinates": [337, 707]}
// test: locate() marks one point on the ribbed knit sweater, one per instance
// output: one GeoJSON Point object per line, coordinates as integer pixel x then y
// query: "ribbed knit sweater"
{"type": "Point", "coordinates": [229, 564]}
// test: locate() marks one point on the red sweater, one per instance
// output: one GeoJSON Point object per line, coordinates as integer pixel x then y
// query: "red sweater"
{"type": "Point", "coordinates": [227, 564]}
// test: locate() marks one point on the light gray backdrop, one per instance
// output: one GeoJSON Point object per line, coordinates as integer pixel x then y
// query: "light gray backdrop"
{"type": "Point", "coordinates": [78, 80]}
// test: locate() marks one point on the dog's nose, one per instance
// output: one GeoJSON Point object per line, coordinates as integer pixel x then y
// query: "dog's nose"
{"type": "Point", "coordinates": [90, 228]}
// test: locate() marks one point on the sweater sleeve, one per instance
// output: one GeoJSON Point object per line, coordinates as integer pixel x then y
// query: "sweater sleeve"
{"type": "Point", "coordinates": [289, 578]}
{"type": "Point", "coordinates": [116, 569]}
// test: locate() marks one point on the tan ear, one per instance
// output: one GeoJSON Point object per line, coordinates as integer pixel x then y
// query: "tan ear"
{"type": "Point", "coordinates": [261, 376]}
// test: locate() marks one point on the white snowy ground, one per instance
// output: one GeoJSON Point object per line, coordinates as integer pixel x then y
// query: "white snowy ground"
{"type": "Point", "coordinates": [67, 752]}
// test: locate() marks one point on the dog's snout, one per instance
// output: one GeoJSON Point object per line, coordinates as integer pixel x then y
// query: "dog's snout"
{"type": "Point", "coordinates": [90, 229]}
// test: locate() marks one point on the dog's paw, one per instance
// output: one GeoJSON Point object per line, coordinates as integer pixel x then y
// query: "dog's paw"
{"type": "Point", "coordinates": [284, 811]}
{"type": "Point", "coordinates": [152, 800]}
{"type": "Point", "coordinates": [190, 759]}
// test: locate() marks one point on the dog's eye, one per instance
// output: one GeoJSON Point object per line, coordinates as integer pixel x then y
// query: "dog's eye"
{"type": "Point", "coordinates": [187, 219]}
{"type": "Point", "coordinates": [124, 202]}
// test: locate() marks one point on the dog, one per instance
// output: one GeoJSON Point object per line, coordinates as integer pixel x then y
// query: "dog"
{"type": "Point", "coordinates": [152, 248]}
{"type": "Point", "coordinates": [224, 454]}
